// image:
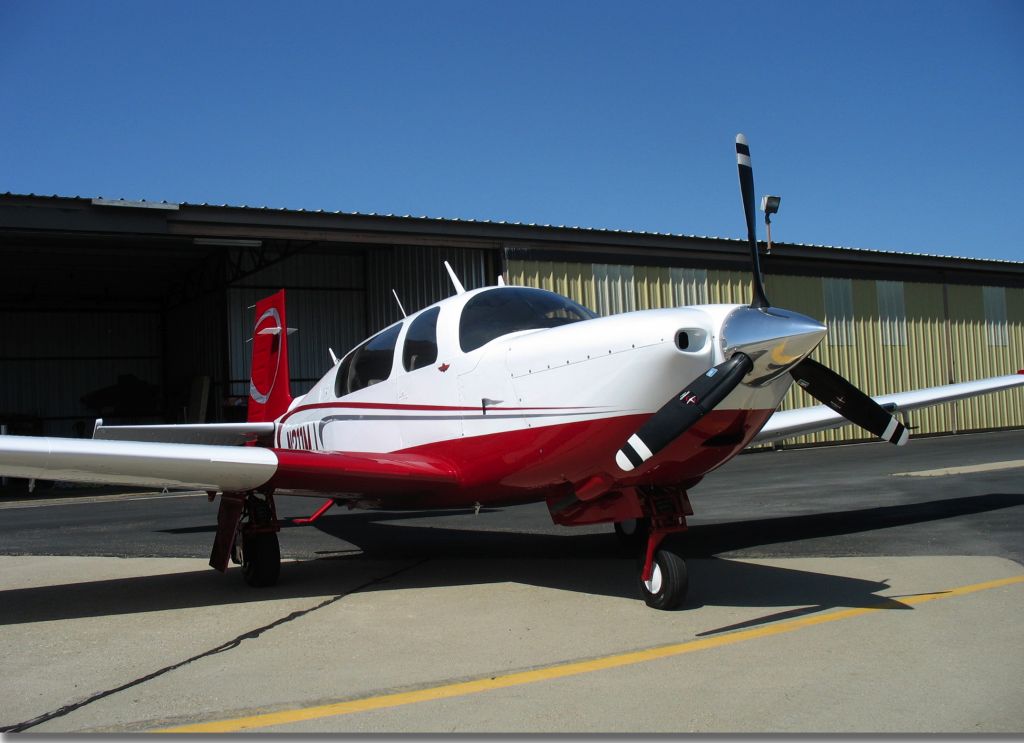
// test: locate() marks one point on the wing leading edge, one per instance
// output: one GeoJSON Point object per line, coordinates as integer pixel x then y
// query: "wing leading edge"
{"type": "Point", "coordinates": [786, 423]}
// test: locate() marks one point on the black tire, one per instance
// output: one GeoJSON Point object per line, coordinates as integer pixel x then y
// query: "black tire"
{"type": "Point", "coordinates": [669, 581]}
{"type": "Point", "coordinates": [632, 533]}
{"type": "Point", "coordinates": [261, 559]}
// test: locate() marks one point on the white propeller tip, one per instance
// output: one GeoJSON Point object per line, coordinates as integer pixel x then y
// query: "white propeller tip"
{"type": "Point", "coordinates": [623, 461]}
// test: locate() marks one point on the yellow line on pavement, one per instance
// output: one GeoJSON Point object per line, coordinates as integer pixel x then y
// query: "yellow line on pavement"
{"type": "Point", "coordinates": [563, 670]}
{"type": "Point", "coordinates": [966, 469]}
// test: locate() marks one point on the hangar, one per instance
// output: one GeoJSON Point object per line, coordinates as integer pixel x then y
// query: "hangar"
{"type": "Point", "coordinates": [139, 311]}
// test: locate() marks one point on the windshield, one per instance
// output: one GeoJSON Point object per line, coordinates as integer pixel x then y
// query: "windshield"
{"type": "Point", "coordinates": [497, 312]}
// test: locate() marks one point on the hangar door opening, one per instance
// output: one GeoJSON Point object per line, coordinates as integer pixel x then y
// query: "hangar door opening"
{"type": "Point", "coordinates": [62, 369]}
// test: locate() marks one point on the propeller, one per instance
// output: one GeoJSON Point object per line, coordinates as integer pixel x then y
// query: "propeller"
{"type": "Point", "coordinates": [839, 394]}
{"type": "Point", "coordinates": [820, 382]}
{"type": "Point", "coordinates": [701, 396]}
{"type": "Point", "coordinates": [746, 172]}
{"type": "Point", "coordinates": [682, 411]}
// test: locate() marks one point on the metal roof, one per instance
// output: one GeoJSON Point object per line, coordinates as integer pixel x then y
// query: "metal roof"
{"type": "Point", "coordinates": [166, 205]}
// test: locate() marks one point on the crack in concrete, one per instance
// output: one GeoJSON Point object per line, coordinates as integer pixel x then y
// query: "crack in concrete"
{"type": "Point", "coordinates": [223, 647]}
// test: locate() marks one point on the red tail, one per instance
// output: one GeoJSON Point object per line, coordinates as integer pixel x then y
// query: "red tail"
{"type": "Point", "coordinates": [269, 386]}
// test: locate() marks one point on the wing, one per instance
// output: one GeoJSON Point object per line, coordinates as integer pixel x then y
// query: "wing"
{"type": "Point", "coordinates": [786, 423]}
{"type": "Point", "coordinates": [218, 468]}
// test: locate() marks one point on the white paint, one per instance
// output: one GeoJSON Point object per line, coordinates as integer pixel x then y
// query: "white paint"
{"type": "Point", "coordinates": [640, 447]}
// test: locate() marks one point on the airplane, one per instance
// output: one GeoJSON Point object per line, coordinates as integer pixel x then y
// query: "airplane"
{"type": "Point", "coordinates": [497, 396]}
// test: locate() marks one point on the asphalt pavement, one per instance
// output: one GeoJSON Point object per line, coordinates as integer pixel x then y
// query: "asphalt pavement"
{"type": "Point", "coordinates": [861, 588]}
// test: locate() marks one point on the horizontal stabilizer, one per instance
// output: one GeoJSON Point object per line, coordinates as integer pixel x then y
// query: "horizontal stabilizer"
{"type": "Point", "coordinates": [220, 434]}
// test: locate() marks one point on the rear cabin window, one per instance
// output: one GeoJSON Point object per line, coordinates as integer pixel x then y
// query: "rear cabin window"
{"type": "Point", "coordinates": [368, 364]}
{"type": "Point", "coordinates": [497, 312]}
{"type": "Point", "coordinates": [420, 347]}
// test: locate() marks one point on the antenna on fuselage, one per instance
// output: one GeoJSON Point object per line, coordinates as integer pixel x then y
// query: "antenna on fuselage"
{"type": "Point", "coordinates": [501, 280]}
{"type": "Point", "coordinates": [399, 303]}
{"type": "Point", "coordinates": [459, 288]}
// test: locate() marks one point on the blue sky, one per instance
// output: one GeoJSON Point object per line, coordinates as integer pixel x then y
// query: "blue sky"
{"type": "Point", "coordinates": [886, 125]}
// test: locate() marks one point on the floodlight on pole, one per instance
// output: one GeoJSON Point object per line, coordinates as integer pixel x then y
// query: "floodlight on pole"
{"type": "Point", "coordinates": [770, 206]}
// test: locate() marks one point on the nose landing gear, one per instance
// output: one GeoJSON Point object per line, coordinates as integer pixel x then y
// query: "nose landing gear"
{"type": "Point", "coordinates": [663, 578]}
{"type": "Point", "coordinates": [666, 587]}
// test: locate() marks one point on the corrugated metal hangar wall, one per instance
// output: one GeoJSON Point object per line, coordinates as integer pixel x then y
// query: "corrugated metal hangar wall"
{"type": "Point", "coordinates": [143, 314]}
{"type": "Point", "coordinates": [884, 336]}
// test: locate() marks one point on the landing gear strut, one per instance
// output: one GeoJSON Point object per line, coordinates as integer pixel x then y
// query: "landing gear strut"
{"type": "Point", "coordinates": [663, 576]}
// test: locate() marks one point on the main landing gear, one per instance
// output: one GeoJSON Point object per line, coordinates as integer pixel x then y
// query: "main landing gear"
{"type": "Point", "coordinates": [260, 556]}
{"type": "Point", "coordinates": [663, 579]}
{"type": "Point", "coordinates": [247, 533]}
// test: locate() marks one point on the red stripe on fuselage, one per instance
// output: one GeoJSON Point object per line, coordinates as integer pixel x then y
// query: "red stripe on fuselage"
{"type": "Point", "coordinates": [527, 464]}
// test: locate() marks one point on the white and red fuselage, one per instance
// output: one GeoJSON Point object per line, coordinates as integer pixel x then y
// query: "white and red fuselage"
{"type": "Point", "coordinates": [533, 413]}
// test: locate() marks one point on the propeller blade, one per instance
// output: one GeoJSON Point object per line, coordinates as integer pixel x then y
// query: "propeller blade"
{"type": "Point", "coordinates": [837, 392]}
{"type": "Point", "coordinates": [746, 172]}
{"type": "Point", "coordinates": [682, 411]}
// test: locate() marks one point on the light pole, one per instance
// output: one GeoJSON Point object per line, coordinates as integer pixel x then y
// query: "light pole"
{"type": "Point", "coordinates": [769, 205]}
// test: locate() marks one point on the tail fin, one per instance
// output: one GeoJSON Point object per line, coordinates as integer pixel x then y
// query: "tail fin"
{"type": "Point", "coordinates": [270, 383]}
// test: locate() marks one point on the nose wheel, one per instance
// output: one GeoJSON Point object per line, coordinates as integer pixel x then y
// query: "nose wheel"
{"type": "Point", "coordinates": [666, 587]}
{"type": "Point", "coordinates": [663, 576]}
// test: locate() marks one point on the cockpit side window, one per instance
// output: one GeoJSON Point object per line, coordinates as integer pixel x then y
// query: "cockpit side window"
{"type": "Point", "coordinates": [497, 312]}
{"type": "Point", "coordinates": [420, 348]}
{"type": "Point", "coordinates": [368, 364]}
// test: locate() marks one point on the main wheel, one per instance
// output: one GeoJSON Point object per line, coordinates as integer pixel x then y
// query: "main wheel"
{"type": "Point", "coordinates": [632, 533]}
{"type": "Point", "coordinates": [261, 559]}
{"type": "Point", "coordinates": [669, 580]}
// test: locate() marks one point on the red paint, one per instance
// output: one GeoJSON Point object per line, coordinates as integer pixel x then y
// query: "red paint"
{"type": "Point", "coordinates": [270, 377]}
{"type": "Point", "coordinates": [618, 505]}
{"type": "Point", "coordinates": [319, 512]}
{"type": "Point", "coordinates": [372, 473]}
{"type": "Point", "coordinates": [654, 540]}
{"type": "Point", "coordinates": [519, 466]}
{"type": "Point", "coordinates": [444, 367]}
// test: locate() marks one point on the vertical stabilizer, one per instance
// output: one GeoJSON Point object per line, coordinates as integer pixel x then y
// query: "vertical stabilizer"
{"type": "Point", "coordinates": [269, 385]}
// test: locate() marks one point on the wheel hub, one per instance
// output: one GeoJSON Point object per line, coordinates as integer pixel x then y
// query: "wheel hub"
{"type": "Point", "coordinates": [654, 584]}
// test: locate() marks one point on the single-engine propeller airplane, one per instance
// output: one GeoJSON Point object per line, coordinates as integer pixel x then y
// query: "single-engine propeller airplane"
{"type": "Point", "coordinates": [495, 396]}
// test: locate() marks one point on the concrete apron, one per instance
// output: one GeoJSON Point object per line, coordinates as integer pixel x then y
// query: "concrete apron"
{"type": "Point", "coordinates": [107, 644]}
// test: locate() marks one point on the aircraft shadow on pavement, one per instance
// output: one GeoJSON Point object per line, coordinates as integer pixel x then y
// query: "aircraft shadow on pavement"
{"type": "Point", "coordinates": [441, 556]}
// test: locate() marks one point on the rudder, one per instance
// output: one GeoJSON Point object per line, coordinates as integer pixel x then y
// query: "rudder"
{"type": "Point", "coordinates": [270, 381]}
